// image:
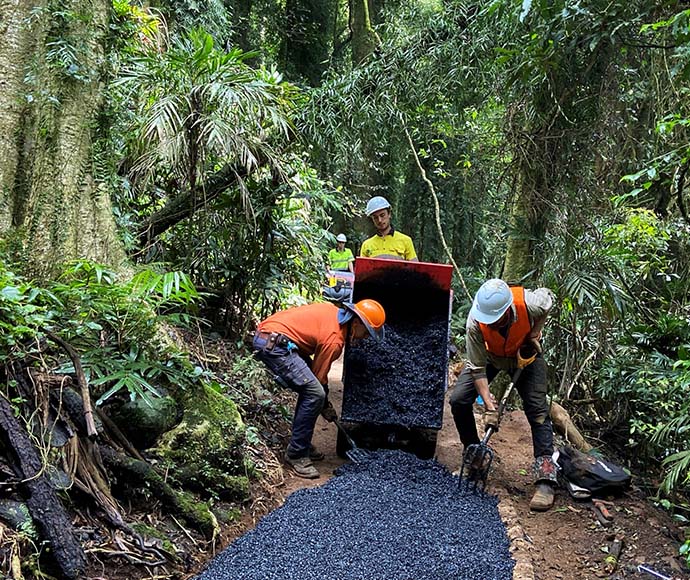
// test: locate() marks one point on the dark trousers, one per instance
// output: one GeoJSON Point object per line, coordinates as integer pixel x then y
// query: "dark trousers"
{"type": "Point", "coordinates": [532, 389]}
{"type": "Point", "coordinates": [292, 371]}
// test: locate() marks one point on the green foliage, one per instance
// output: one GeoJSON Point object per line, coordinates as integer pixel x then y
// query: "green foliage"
{"type": "Point", "coordinates": [22, 316]}
{"type": "Point", "coordinates": [201, 111]}
{"type": "Point", "coordinates": [199, 106]}
{"type": "Point", "coordinates": [630, 276]}
{"type": "Point", "coordinates": [419, 81]}
{"type": "Point", "coordinates": [214, 16]}
{"type": "Point", "coordinates": [115, 324]}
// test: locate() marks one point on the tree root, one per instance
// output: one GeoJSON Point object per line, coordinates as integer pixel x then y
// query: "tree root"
{"type": "Point", "coordinates": [193, 512]}
{"type": "Point", "coordinates": [45, 508]}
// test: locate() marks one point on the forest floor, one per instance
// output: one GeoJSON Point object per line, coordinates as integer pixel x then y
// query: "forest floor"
{"type": "Point", "coordinates": [566, 543]}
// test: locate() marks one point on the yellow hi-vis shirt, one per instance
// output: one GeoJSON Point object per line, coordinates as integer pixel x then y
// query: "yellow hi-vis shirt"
{"type": "Point", "coordinates": [340, 260]}
{"type": "Point", "coordinates": [393, 244]}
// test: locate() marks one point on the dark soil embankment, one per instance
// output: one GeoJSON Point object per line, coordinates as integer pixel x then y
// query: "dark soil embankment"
{"type": "Point", "coordinates": [393, 516]}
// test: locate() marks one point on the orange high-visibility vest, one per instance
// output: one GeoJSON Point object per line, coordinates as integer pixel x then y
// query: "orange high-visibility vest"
{"type": "Point", "coordinates": [495, 343]}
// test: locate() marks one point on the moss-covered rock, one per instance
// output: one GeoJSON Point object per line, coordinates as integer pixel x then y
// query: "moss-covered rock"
{"type": "Point", "coordinates": [204, 451]}
{"type": "Point", "coordinates": [143, 421]}
{"type": "Point", "coordinates": [227, 516]}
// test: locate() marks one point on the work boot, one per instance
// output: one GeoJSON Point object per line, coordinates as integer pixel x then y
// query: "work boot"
{"type": "Point", "coordinates": [542, 500]}
{"type": "Point", "coordinates": [315, 454]}
{"type": "Point", "coordinates": [545, 478]}
{"type": "Point", "coordinates": [303, 467]}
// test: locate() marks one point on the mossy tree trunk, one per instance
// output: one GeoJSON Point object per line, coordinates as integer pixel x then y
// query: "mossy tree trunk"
{"type": "Point", "coordinates": [364, 37]}
{"type": "Point", "coordinates": [51, 207]}
{"type": "Point", "coordinates": [528, 221]}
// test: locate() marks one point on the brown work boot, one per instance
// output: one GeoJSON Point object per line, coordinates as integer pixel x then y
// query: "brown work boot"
{"type": "Point", "coordinates": [542, 500]}
{"type": "Point", "coordinates": [303, 467]}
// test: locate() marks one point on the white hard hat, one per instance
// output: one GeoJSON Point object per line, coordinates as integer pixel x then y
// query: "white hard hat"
{"type": "Point", "coordinates": [491, 301]}
{"type": "Point", "coordinates": [377, 203]}
{"type": "Point", "coordinates": [340, 238]}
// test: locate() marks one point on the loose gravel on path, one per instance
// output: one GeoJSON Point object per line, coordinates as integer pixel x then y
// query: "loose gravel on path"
{"type": "Point", "coordinates": [392, 517]}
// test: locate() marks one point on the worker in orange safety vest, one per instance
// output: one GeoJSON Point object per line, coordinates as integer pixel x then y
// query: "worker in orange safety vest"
{"type": "Point", "coordinates": [503, 319]}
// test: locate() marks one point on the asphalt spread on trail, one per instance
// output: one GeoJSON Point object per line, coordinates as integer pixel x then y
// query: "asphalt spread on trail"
{"type": "Point", "coordinates": [390, 517]}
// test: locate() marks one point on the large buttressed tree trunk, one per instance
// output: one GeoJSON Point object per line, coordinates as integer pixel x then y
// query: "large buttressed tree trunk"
{"type": "Point", "coordinates": [52, 65]}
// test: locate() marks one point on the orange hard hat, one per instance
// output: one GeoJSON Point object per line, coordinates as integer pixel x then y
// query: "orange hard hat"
{"type": "Point", "coordinates": [372, 315]}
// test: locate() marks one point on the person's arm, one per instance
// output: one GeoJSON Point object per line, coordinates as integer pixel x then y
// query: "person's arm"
{"type": "Point", "coordinates": [476, 363]}
{"type": "Point", "coordinates": [539, 303]}
{"type": "Point", "coordinates": [324, 355]}
{"type": "Point", "coordinates": [482, 385]}
{"type": "Point", "coordinates": [351, 263]}
{"type": "Point", "coordinates": [410, 253]}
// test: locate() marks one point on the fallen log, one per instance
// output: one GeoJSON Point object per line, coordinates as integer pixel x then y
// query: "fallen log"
{"type": "Point", "coordinates": [564, 425]}
{"type": "Point", "coordinates": [45, 508]}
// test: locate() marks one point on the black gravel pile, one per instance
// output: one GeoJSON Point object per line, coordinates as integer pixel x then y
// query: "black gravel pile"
{"type": "Point", "coordinates": [400, 381]}
{"type": "Point", "coordinates": [392, 517]}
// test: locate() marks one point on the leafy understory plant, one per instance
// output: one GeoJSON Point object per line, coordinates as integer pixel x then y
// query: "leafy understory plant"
{"type": "Point", "coordinates": [115, 324]}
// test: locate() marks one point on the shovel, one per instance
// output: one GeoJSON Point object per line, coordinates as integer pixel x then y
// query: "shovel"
{"type": "Point", "coordinates": [478, 457]}
{"type": "Point", "coordinates": [355, 454]}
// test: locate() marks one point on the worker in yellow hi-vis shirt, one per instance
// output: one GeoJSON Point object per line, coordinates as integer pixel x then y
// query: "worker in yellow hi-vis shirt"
{"type": "Point", "coordinates": [388, 242]}
{"type": "Point", "coordinates": [340, 257]}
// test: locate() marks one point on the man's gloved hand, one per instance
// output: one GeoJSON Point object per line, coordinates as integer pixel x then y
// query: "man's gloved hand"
{"type": "Point", "coordinates": [536, 345]}
{"type": "Point", "coordinates": [535, 342]}
{"type": "Point", "coordinates": [328, 412]}
{"type": "Point", "coordinates": [491, 419]}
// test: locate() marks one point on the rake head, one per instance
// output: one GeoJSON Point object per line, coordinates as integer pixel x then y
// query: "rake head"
{"type": "Point", "coordinates": [357, 454]}
{"type": "Point", "coordinates": [476, 464]}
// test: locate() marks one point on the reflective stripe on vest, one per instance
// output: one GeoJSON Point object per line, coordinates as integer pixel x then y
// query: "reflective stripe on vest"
{"type": "Point", "coordinates": [495, 343]}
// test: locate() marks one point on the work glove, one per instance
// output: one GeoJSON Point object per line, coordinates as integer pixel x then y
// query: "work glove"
{"type": "Point", "coordinates": [328, 412]}
{"type": "Point", "coordinates": [535, 342]}
{"type": "Point", "coordinates": [491, 419]}
{"type": "Point", "coordinates": [528, 352]}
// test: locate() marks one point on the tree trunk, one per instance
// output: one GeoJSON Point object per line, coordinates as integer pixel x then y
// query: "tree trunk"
{"type": "Point", "coordinates": [521, 264]}
{"type": "Point", "coordinates": [364, 37]}
{"type": "Point", "coordinates": [51, 207]}
{"type": "Point", "coordinates": [18, 43]}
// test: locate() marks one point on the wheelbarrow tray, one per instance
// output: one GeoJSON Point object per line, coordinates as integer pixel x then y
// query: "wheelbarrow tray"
{"type": "Point", "coordinates": [400, 382]}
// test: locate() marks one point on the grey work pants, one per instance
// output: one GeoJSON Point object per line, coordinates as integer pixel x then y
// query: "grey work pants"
{"type": "Point", "coordinates": [532, 389]}
{"type": "Point", "coordinates": [293, 372]}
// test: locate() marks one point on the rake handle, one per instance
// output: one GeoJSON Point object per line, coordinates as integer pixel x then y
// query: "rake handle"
{"type": "Point", "coordinates": [502, 405]}
{"type": "Point", "coordinates": [345, 433]}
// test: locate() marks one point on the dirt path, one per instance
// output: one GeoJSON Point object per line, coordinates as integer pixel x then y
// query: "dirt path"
{"type": "Point", "coordinates": [566, 543]}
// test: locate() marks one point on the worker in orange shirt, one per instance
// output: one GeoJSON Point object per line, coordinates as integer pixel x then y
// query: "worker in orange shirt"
{"type": "Point", "coordinates": [299, 345]}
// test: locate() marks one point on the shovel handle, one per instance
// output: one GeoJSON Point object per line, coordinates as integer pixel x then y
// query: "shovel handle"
{"type": "Point", "coordinates": [345, 433]}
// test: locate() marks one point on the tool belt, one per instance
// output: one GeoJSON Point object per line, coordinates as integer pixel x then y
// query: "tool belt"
{"type": "Point", "coordinates": [272, 339]}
